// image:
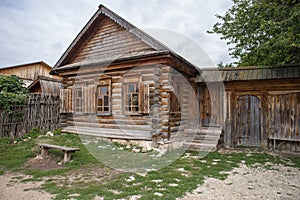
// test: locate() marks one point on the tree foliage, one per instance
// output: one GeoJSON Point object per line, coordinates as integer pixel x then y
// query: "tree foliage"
{"type": "Point", "coordinates": [12, 92]}
{"type": "Point", "coordinates": [262, 32]}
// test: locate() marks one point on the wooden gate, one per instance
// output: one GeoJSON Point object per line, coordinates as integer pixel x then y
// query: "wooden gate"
{"type": "Point", "coordinates": [283, 119]}
{"type": "Point", "coordinates": [248, 121]}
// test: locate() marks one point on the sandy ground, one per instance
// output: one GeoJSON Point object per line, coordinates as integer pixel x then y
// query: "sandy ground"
{"type": "Point", "coordinates": [276, 182]}
{"type": "Point", "coordinates": [12, 189]}
{"type": "Point", "coordinates": [279, 182]}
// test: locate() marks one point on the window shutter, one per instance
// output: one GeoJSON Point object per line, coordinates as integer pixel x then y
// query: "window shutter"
{"type": "Point", "coordinates": [84, 100]}
{"type": "Point", "coordinates": [144, 98]}
{"type": "Point", "coordinates": [66, 101]}
{"type": "Point", "coordinates": [89, 99]}
{"type": "Point", "coordinates": [70, 100]}
{"type": "Point", "coordinates": [92, 95]}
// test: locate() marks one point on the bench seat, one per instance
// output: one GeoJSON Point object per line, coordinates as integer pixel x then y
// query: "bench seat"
{"type": "Point", "coordinates": [67, 150]}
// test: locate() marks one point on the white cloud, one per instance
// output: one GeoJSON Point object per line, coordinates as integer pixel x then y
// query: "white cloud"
{"type": "Point", "coordinates": [33, 30]}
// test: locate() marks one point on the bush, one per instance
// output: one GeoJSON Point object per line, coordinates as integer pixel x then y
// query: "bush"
{"type": "Point", "coordinates": [12, 93]}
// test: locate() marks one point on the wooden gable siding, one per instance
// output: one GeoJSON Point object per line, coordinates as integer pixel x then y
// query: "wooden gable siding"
{"type": "Point", "coordinates": [29, 71]}
{"type": "Point", "coordinates": [110, 41]}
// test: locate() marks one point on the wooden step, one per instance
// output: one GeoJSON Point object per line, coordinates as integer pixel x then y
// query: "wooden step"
{"type": "Point", "coordinates": [200, 147]}
{"type": "Point", "coordinates": [202, 139]}
{"type": "Point", "coordinates": [210, 131]}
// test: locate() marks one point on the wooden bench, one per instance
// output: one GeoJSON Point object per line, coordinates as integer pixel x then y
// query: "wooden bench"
{"type": "Point", "coordinates": [283, 141]}
{"type": "Point", "coordinates": [67, 150]}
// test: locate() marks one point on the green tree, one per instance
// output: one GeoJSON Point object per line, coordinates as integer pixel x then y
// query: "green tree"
{"type": "Point", "coordinates": [262, 32]}
{"type": "Point", "coordinates": [12, 92]}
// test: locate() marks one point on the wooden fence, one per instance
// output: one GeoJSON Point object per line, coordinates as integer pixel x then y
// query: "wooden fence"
{"type": "Point", "coordinates": [42, 111]}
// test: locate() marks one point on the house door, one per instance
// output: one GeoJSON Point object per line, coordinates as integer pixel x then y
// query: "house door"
{"type": "Point", "coordinates": [248, 121]}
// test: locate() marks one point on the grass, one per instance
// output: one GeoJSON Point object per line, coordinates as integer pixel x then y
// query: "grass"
{"type": "Point", "coordinates": [79, 179]}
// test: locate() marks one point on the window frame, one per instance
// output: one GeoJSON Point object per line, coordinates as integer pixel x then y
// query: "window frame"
{"type": "Point", "coordinates": [131, 79]}
{"type": "Point", "coordinates": [131, 96]}
{"type": "Point", "coordinates": [75, 98]}
{"type": "Point", "coordinates": [101, 84]}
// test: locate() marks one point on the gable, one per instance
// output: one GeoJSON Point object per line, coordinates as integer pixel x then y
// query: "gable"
{"type": "Point", "coordinates": [107, 37]}
{"type": "Point", "coordinates": [110, 41]}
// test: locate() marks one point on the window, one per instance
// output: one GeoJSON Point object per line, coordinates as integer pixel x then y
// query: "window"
{"type": "Point", "coordinates": [131, 102]}
{"type": "Point", "coordinates": [135, 96]}
{"type": "Point", "coordinates": [103, 99]}
{"type": "Point", "coordinates": [78, 100]}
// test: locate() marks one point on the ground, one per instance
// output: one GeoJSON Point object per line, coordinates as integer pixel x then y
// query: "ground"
{"type": "Point", "coordinates": [225, 174]}
{"type": "Point", "coordinates": [260, 181]}
{"type": "Point", "coordinates": [278, 182]}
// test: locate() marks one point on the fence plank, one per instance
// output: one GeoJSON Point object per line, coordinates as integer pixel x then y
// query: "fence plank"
{"type": "Point", "coordinates": [41, 111]}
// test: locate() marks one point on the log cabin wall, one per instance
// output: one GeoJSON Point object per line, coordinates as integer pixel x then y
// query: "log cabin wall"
{"type": "Point", "coordinates": [257, 111]}
{"type": "Point", "coordinates": [154, 119]}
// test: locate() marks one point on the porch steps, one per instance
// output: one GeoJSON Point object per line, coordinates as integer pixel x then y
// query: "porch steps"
{"type": "Point", "coordinates": [203, 139]}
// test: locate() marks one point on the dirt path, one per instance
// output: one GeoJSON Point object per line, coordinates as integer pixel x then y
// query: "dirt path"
{"type": "Point", "coordinates": [12, 189]}
{"type": "Point", "coordinates": [279, 182]}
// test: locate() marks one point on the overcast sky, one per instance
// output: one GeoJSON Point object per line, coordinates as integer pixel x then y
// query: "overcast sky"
{"type": "Point", "coordinates": [35, 30]}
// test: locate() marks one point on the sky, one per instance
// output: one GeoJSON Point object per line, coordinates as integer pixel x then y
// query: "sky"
{"type": "Point", "coordinates": [41, 30]}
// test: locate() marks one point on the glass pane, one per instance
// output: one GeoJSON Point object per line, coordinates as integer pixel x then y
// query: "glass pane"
{"type": "Point", "coordinates": [135, 99]}
{"type": "Point", "coordinates": [105, 100]}
{"type": "Point", "coordinates": [128, 99]}
{"type": "Point", "coordinates": [104, 90]}
{"type": "Point", "coordinates": [130, 88]}
{"type": "Point", "coordinates": [79, 93]}
{"type": "Point", "coordinates": [100, 101]}
{"type": "Point", "coordinates": [136, 88]}
{"type": "Point", "coordinates": [106, 109]}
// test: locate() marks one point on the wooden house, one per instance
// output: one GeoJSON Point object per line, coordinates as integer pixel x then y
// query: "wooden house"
{"type": "Point", "coordinates": [120, 83]}
{"type": "Point", "coordinates": [28, 72]}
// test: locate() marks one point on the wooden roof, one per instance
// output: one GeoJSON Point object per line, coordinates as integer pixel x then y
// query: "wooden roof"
{"type": "Point", "coordinates": [45, 85]}
{"type": "Point", "coordinates": [108, 38]}
{"type": "Point", "coordinates": [249, 73]}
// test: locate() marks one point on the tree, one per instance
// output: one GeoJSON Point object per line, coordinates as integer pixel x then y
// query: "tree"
{"type": "Point", "coordinates": [262, 32]}
{"type": "Point", "coordinates": [12, 92]}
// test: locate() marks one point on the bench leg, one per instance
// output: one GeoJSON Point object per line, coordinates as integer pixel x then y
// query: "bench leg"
{"type": "Point", "coordinates": [67, 156]}
{"type": "Point", "coordinates": [44, 152]}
